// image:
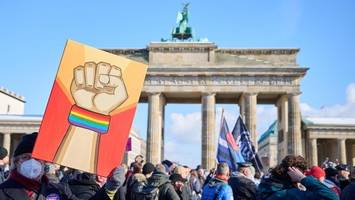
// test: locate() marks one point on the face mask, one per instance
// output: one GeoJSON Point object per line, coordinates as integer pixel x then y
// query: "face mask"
{"type": "Point", "coordinates": [31, 169]}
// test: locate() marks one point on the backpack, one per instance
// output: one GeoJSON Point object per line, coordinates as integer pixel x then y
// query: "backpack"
{"type": "Point", "coordinates": [143, 191]}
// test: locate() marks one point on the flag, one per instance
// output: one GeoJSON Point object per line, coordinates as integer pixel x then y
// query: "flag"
{"type": "Point", "coordinates": [247, 149]}
{"type": "Point", "coordinates": [227, 146]}
{"type": "Point", "coordinates": [129, 144]}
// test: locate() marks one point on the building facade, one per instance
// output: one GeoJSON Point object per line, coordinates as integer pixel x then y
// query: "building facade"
{"type": "Point", "coordinates": [200, 72]}
{"type": "Point", "coordinates": [322, 138]}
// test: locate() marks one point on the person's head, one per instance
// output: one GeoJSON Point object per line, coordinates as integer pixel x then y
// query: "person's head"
{"type": "Point", "coordinates": [160, 168]}
{"type": "Point", "coordinates": [258, 175]}
{"type": "Point", "coordinates": [201, 172]}
{"type": "Point", "coordinates": [182, 171]}
{"type": "Point", "coordinates": [22, 160]}
{"type": "Point", "coordinates": [280, 171]}
{"type": "Point", "coordinates": [343, 171]}
{"type": "Point", "coordinates": [4, 156]}
{"type": "Point", "coordinates": [245, 169]}
{"type": "Point", "coordinates": [222, 169]}
{"type": "Point", "coordinates": [148, 169]}
{"type": "Point", "coordinates": [177, 180]}
{"type": "Point", "coordinates": [139, 159]}
{"type": "Point", "coordinates": [169, 166]}
{"type": "Point", "coordinates": [137, 168]}
{"type": "Point", "coordinates": [331, 173]}
{"type": "Point", "coordinates": [194, 173]}
{"type": "Point", "coordinates": [317, 173]}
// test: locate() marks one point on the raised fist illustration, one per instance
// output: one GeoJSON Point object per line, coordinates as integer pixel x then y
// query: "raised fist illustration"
{"type": "Point", "coordinates": [98, 87]}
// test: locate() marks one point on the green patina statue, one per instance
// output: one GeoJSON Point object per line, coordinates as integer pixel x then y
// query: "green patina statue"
{"type": "Point", "coordinates": [183, 31]}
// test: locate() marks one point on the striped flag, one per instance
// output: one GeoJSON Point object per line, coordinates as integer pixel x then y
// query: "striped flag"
{"type": "Point", "coordinates": [227, 147]}
{"type": "Point", "coordinates": [247, 149]}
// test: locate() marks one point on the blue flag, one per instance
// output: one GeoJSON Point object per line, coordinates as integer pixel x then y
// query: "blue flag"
{"type": "Point", "coordinates": [247, 149]}
{"type": "Point", "coordinates": [227, 147]}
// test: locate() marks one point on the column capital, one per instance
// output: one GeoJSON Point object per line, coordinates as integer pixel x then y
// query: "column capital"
{"type": "Point", "coordinates": [249, 94]}
{"type": "Point", "coordinates": [294, 94]}
{"type": "Point", "coordinates": [208, 94]}
{"type": "Point", "coordinates": [153, 93]}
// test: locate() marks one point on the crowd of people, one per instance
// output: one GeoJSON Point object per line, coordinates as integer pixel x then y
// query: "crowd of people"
{"type": "Point", "coordinates": [32, 179]}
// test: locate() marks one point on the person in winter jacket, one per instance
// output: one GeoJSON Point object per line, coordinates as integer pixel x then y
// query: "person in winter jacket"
{"type": "Point", "coordinates": [343, 175]}
{"type": "Point", "coordinates": [283, 183]}
{"type": "Point", "coordinates": [180, 186]}
{"type": "Point", "coordinates": [4, 160]}
{"type": "Point", "coordinates": [242, 183]}
{"type": "Point", "coordinates": [195, 185]}
{"type": "Point", "coordinates": [28, 182]}
{"type": "Point", "coordinates": [319, 174]}
{"type": "Point", "coordinates": [84, 185]}
{"type": "Point", "coordinates": [349, 191]}
{"type": "Point", "coordinates": [160, 179]}
{"type": "Point", "coordinates": [217, 188]}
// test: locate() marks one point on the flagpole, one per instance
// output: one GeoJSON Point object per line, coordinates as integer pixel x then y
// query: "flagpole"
{"type": "Point", "coordinates": [222, 115]}
{"type": "Point", "coordinates": [220, 128]}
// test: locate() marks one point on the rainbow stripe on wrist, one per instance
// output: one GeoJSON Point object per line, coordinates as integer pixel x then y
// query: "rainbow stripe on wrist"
{"type": "Point", "coordinates": [89, 120]}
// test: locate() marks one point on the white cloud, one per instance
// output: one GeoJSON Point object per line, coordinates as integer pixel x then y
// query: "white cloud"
{"type": "Point", "coordinates": [184, 154]}
{"type": "Point", "coordinates": [266, 115]}
{"type": "Point", "coordinates": [186, 128]}
{"type": "Point", "coordinates": [339, 110]}
{"type": "Point", "coordinates": [350, 92]}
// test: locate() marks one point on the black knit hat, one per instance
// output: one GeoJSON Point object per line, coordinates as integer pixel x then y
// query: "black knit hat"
{"type": "Point", "coordinates": [26, 144]}
{"type": "Point", "coordinates": [3, 153]}
{"type": "Point", "coordinates": [148, 168]}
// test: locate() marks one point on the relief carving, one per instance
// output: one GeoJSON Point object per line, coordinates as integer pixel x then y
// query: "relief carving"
{"type": "Point", "coordinates": [218, 81]}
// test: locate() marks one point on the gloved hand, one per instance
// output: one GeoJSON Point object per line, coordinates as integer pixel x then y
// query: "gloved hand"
{"type": "Point", "coordinates": [116, 179]}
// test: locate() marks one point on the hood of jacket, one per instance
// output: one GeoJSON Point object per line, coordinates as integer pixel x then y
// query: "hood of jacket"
{"type": "Point", "coordinates": [158, 178]}
{"type": "Point", "coordinates": [84, 179]}
{"type": "Point", "coordinates": [272, 187]}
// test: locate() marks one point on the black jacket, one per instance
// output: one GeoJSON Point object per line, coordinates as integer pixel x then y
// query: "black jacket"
{"type": "Point", "coordinates": [11, 190]}
{"type": "Point", "coordinates": [84, 186]}
{"type": "Point", "coordinates": [243, 188]}
{"type": "Point", "coordinates": [349, 192]}
{"type": "Point", "coordinates": [166, 189]}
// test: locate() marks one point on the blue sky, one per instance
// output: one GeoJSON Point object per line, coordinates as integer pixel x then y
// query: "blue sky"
{"type": "Point", "coordinates": [33, 34]}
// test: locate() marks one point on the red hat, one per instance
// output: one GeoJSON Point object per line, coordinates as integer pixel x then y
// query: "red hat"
{"type": "Point", "coordinates": [317, 172]}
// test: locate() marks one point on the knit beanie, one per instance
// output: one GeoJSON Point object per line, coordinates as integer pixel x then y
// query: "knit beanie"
{"type": "Point", "coordinates": [26, 144]}
{"type": "Point", "coordinates": [316, 172]}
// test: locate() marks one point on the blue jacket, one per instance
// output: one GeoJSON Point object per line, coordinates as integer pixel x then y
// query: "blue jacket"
{"type": "Point", "coordinates": [270, 189]}
{"type": "Point", "coordinates": [217, 189]}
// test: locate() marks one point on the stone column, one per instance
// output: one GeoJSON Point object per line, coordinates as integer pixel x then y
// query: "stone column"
{"type": "Point", "coordinates": [156, 104]}
{"type": "Point", "coordinates": [247, 105]}
{"type": "Point", "coordinates": [208, 131]}
{"type": "Point", "coordinates": [342, 150]}
{"type": "Point", "coordinates": [294, 136]}
{"type": "Point", "coordinates": [6, 143]}
{"type": "Point", "coordinates": [282, 126]}
{"type": "Point", "coordinates": [314, 151]}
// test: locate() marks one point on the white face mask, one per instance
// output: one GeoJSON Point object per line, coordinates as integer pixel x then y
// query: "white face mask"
{"type": "Point", "coordinates": [31, 169]}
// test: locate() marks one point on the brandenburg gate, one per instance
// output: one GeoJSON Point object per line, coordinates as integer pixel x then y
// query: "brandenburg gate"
{"type": "Point", "coordinates": [200, 72]}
